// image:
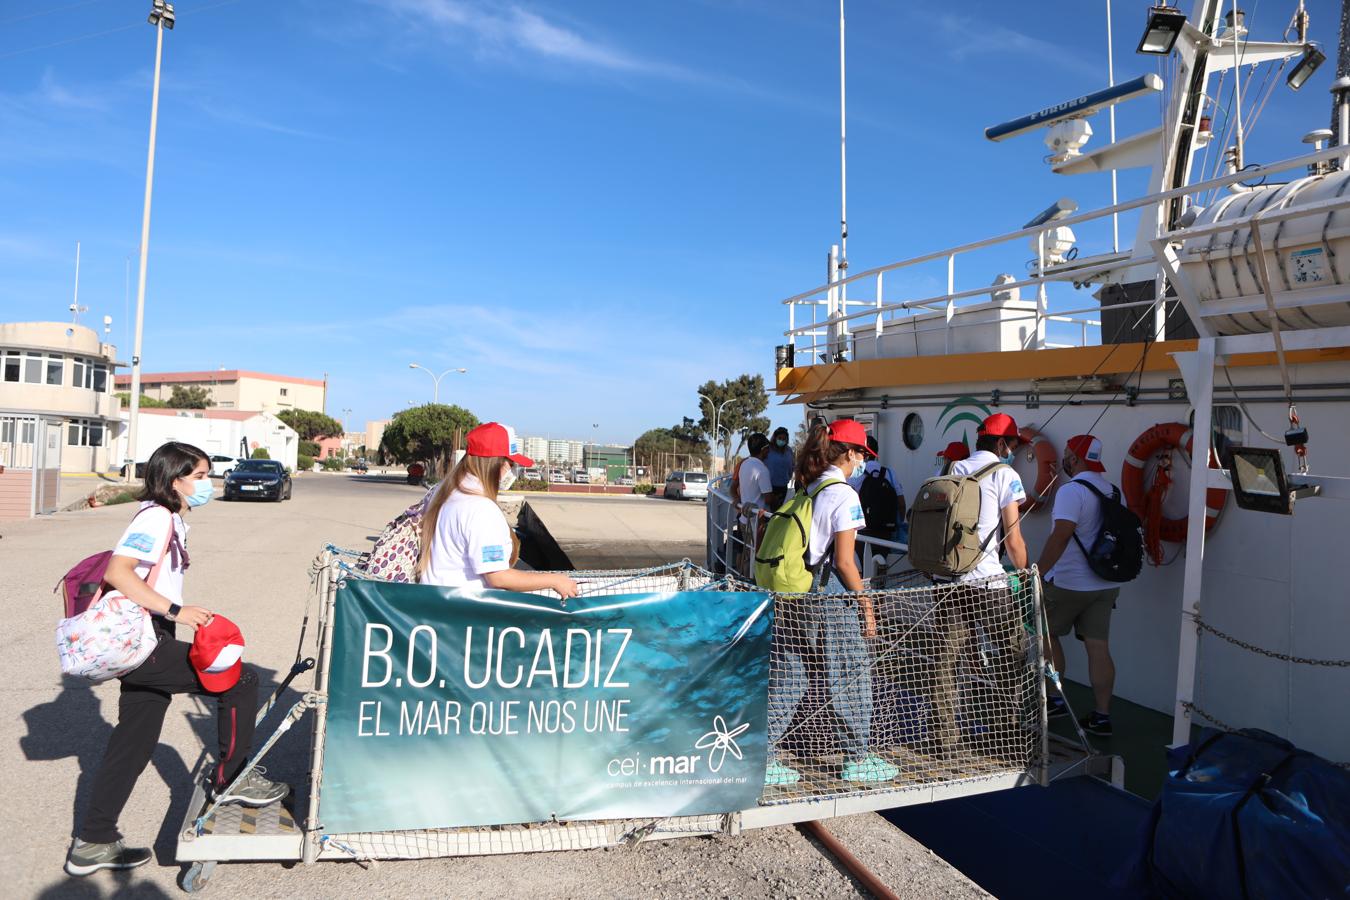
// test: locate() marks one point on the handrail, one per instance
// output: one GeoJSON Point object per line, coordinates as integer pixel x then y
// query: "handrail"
{"type": "Point", "coordinates": [1248, 174]}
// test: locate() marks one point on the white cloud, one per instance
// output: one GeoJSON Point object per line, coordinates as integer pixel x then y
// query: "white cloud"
{"type": "Point", "coordinates": [518, 32]}
{"type": "Point", "coordinates": [966, 38]}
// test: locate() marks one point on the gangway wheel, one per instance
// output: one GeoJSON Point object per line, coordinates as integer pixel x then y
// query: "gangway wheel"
{"type": "Point", "coordinates": [198, 876]}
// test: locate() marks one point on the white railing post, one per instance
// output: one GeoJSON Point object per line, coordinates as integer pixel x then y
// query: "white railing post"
{"type": "Point", "coordinates": [880, 303]}
{"type": "Point", "coordinates": [1042, 304]}
{"type": "Point", "coordinates": [951, 303]}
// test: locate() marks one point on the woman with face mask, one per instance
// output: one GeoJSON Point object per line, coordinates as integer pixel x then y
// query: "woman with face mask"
{"type": "Point", "coordinates": [829, 628]}
{"type": "Point", "coordinates": [466, 540]}
{"type": "Point", "coordinates": [147, 568]}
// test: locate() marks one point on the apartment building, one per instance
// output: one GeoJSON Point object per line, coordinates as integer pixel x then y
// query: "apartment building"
{"type": "Point", "coordinates": [237, 389]}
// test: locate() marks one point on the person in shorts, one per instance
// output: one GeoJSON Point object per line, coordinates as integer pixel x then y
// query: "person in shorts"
{"type": "Point", "coordinates": [1076, 597]}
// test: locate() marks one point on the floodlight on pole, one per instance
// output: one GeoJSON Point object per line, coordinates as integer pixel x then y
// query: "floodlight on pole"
{"type": "Point", "coordinates": [1313, 57]}
{"type": "Point", "coordinates": [1163, 28]}
{"type": "Point", "coordinates": [162, 17]}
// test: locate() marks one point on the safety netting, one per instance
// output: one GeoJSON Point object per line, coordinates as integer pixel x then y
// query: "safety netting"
{"type": "Point", "coordinates": [937, 683]}
{"type": "Point", "coordinates": [885, 689]}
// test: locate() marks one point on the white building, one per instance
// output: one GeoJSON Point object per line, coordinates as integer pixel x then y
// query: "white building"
{"type": "Point", "coordinates": [535, 448]}
{"type": "Point", "coordinates": [61, 374]}
{"type": "Point", "coordinates": [219, 432]}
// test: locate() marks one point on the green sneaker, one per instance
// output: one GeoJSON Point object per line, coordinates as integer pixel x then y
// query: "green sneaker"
{"type": "Point", "coordinates": [255, 790]}
{"type": "Point", "coordinates": [777, 773]}
{"type": "Point", "coordinates": [85, 858]}
{"type": "Point", "coordinates": [873, 768]}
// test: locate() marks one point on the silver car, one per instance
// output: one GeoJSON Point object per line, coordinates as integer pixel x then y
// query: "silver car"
{"type": "Point", "coordinates": [686, 486]}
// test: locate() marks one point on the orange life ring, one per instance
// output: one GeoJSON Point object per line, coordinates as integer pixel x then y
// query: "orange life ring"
{"type": "Point", "coordinates": [1165, 436]}
{"type": "Point", "coordinates": [1047, 469]}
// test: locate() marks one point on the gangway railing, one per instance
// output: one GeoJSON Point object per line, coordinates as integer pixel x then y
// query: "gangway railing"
{"type": "Point", "coordinates": [843, 329]}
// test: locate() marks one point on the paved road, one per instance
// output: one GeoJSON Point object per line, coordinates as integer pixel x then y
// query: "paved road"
{"type": "Point", "coordinates": [251, 561]}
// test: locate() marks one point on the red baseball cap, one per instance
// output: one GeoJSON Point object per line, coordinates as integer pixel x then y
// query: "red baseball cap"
{"type": "Point", "coordinates": [1088, 449]}
{"type": "Point", "coordinates": [999, 425]}
{"type": "Point", "coordinates": [955, 451]}
{"type": "Point", "coordinates": [217, 649]}
{"type": "Point", "coordinates": [495, 439]}
{"type": "Point", "coordinates": [850, 431]}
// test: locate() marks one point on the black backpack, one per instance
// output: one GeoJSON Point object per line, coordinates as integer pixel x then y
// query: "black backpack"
{"type": "Point", "coordinates": [1118, 552]}
{"type": "Point", "coordinates": [881, 510]}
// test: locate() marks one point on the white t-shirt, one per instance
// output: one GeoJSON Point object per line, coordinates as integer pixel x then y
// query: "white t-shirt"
{"type": "Point", "coordinates": [145, 539]}
{"type": "Point", "coordinates": [835, 509]}
{"type": "Point", "coordinates": [754, 482]}
{"type": "Point", "coordinates": [471, 539]}
{"type": "Point", "coordinates": [999, 490]}
{"type": "Point", "coordinates": [871, 466]}
{"type": "Point", "coordinates": [1080, 506]}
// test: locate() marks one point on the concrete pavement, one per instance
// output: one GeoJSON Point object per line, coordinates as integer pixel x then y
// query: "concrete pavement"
{"type": "Point", "coordinates": [251, 561]}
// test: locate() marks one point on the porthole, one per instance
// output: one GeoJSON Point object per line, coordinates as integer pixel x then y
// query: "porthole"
{"type": "Point", "coordinates": [912, 431]}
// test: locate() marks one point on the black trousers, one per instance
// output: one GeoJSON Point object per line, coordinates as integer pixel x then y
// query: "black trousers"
{"type": "Point", "coordinates": [146, 692]}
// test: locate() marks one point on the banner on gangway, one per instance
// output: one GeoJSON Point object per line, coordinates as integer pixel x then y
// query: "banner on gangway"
{"type": "Point", "coordinates": [457, 708]}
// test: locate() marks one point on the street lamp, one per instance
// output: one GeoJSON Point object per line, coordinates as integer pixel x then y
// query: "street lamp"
{"type": "Point", "coordinates": [717, 415]}
{"type": "Point", "coordinates": [162, 17]}
{"type": "Point", "coordinates": [436, 378]}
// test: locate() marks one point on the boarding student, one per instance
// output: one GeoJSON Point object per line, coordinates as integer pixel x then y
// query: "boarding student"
{"type": "Point", "coordinates": [1075, 596]}
{"type": "Point", "coordinates": [882, 496]}
{"type": "Point", "coordinates": [829, 628]}
{"type": "Point", "coordinates": [752, 500]}
{"type": "Point", "coordinates": [953, 452]}
{"type": "Point", "coordinates": [986, 601]}
{"type": "Point", "coordinates": [176, 480]}
{"type": "Point", "coordinates": [466, 540]}
{"type": "Point", "coordinates": [780, 462]}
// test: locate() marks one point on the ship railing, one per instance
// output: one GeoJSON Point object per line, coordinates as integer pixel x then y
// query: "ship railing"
{"type": "Point", "coordinates": [845, 318]}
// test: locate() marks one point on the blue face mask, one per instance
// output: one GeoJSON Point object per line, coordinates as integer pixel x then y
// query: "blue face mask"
{"type": "Point", "coordinates": [202, 489]}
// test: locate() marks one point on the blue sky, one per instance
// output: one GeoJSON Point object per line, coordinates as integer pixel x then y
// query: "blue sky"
{"type": "Point", "coordinates": [594, 206]}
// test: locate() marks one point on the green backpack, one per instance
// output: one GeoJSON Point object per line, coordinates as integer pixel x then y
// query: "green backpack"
{"type": "Point", "coordinates": [780, 563]}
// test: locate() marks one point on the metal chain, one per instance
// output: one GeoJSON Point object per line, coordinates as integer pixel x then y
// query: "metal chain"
{"type": "Point", "coordinates": [1224, 726]}
{"type": "Point", "coordinates": [1301, 660]}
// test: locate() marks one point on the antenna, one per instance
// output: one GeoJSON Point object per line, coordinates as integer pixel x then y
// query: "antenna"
{"type": "Point", "coordinates": [75, 307]}
{"type": "Point", "coordinates": [1077, 108]}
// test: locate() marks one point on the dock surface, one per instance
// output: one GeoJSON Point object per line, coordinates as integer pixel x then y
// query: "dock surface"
{"type": "Point", "coordinates": [250, 561]}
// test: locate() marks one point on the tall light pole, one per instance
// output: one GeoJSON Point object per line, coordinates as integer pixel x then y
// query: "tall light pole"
{"type": "Point", "coordinates": [717, 416]}
{"type": "Point", "coordinates": [162, 17]}
{"type": "Point", "coordinates": [436, 395]}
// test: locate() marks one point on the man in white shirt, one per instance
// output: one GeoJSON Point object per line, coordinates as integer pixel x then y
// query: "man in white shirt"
{"type": "Point", "coordinates": [754, 489]}
{"type": "Point", "coordinates": [990, 604]}
{"type": "Point", "coordinates": [1075, 596]}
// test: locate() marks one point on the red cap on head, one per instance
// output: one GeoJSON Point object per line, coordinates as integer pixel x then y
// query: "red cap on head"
{"type": "Point", "coordinates": [217, 649]}
{"type": "Point", "coordinates": [495, 439]}
{"type": "Point", "coordinates": [999, 425]}
{"type": "Point", "coordinates": [955, 451]}
{"type": "Point", "coordinates": [850, 431]}
{"type": "Point", "coordinates": [1089, 450]}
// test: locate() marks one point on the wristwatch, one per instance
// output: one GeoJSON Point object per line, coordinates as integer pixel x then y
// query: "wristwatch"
{"type": "Point", "coordinates": [174, 610]}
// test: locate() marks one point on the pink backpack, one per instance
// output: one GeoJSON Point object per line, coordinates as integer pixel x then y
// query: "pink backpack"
{"type": "Point", "coordinates": [84, 583]}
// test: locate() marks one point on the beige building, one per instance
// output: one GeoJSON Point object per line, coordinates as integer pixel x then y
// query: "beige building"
{"type": "Point", "coordinates": [375, 434]}
{"type": "Point", "coordinates": [57, 375]}
{"type": "Point", "coordinates": [237, 389]}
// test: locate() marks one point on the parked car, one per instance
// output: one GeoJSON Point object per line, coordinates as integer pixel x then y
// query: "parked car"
{"type": "Point", "coordinates": [532, 475]}
{"type": "Point", "coordinates": [221, 465]}
{"type": "Point", "coordinates": [557, 476]}
{"type": "Point", "coordinates": [686, 486]}
{"type": "Point", "coordinates": [361, 467]}
{"type": "Point", "coordinates": [262, 478]}
{"type": "Point", "coordinates": [581, 476]}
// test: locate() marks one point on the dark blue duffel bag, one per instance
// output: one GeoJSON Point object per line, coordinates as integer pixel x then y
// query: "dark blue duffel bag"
{"type": "Point", "coordinates": [1248, 815]}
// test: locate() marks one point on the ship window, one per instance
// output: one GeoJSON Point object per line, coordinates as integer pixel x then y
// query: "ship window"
{"type": "Point", "coordinates": [1226, 429]}
{"type": "Point", "coordinates": [912, 431]}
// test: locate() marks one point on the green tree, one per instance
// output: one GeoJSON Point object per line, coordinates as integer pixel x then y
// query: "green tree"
{"type": "Point", "coordinates": [308, 448]}
{"type": "Point", "coordinates": [310, 425]}
{"type": "Point", "coordinates": [190, 398]}
{"type": "Point", "coordinates": [428, 433]}
{"type": "Point", "coordinates": [260, 453]}
{"type": "Point", "coordinates": [146, 402]}
{"type": "Point", "coordinates": [741, 416]}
